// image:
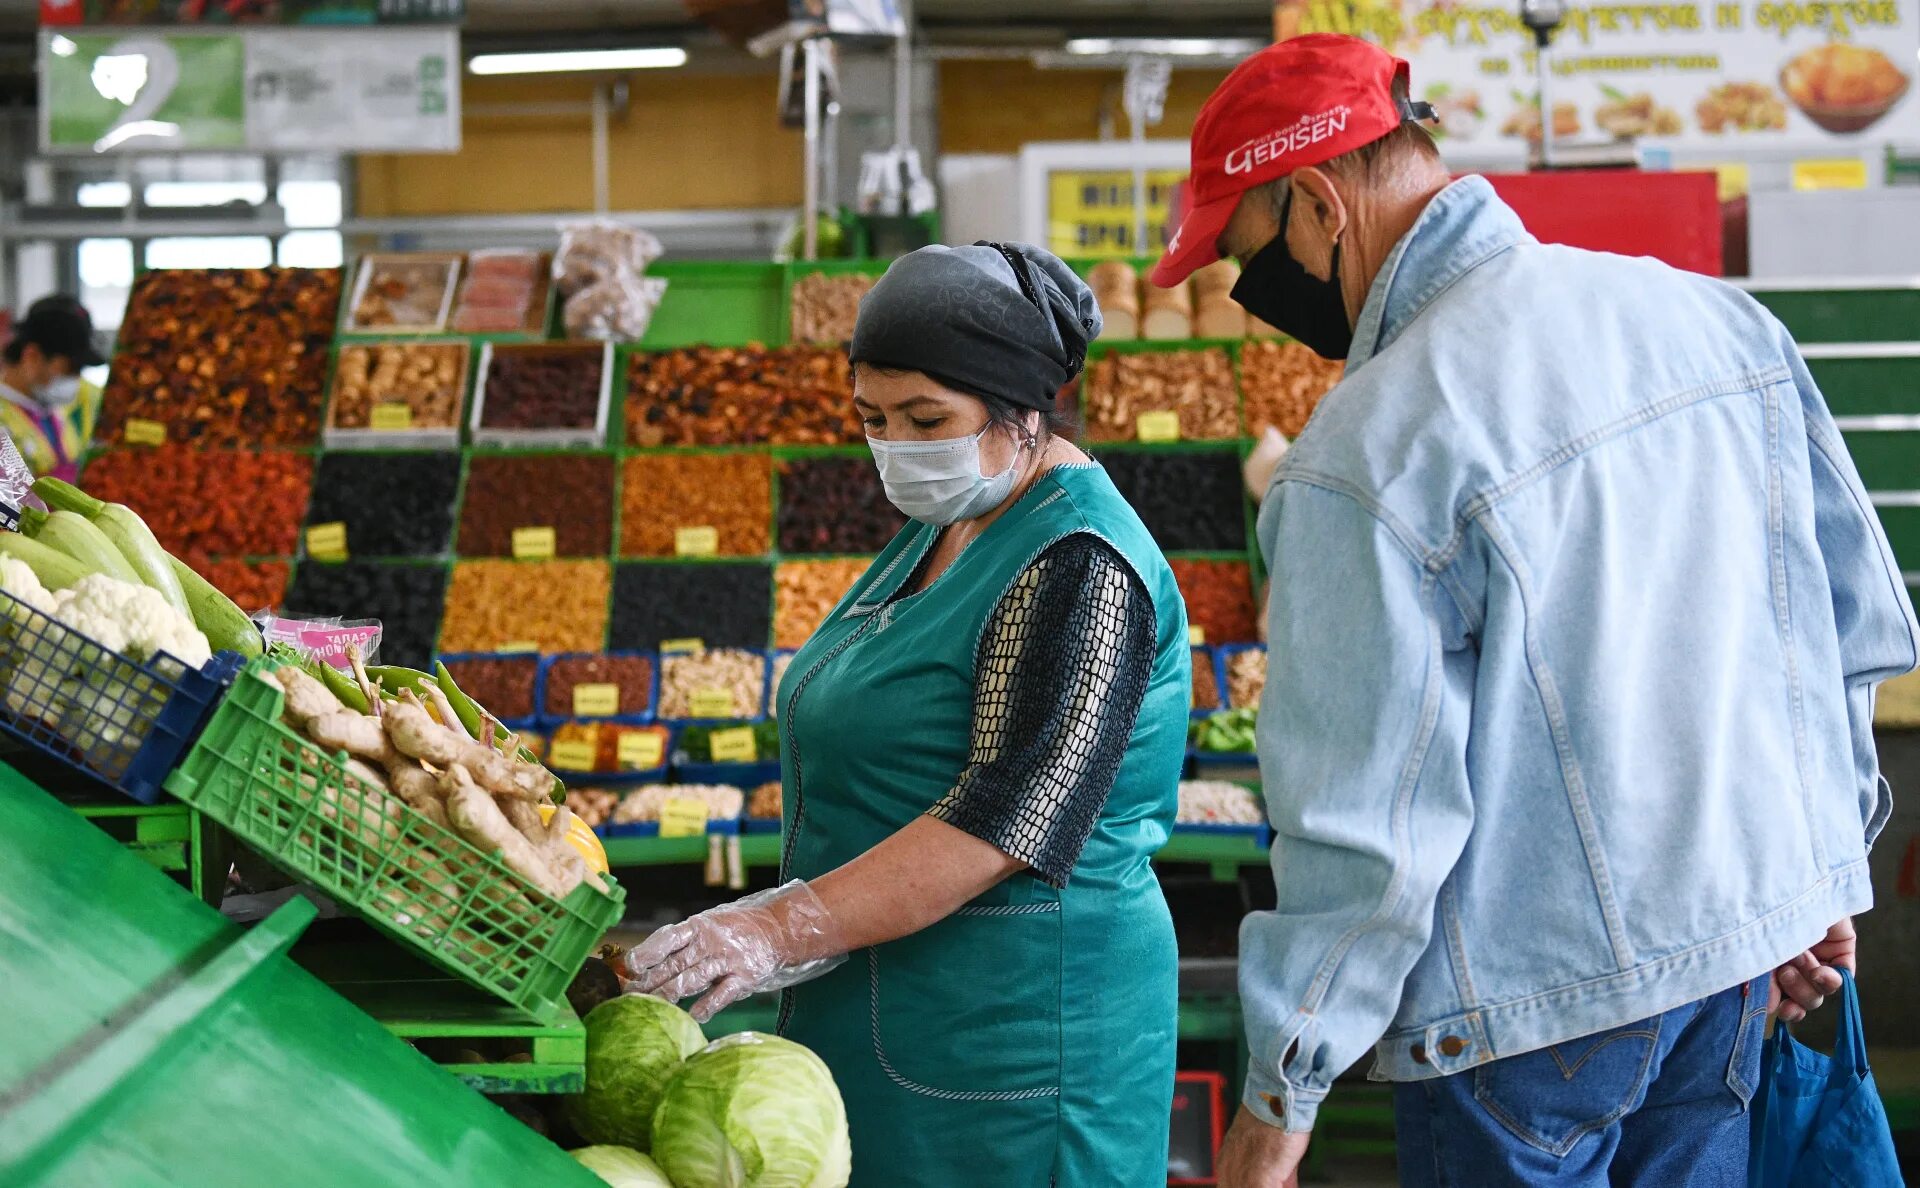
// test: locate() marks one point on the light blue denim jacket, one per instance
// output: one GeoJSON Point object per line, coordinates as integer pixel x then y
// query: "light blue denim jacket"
{"type": "Point", "coordinates": [1578, 608]}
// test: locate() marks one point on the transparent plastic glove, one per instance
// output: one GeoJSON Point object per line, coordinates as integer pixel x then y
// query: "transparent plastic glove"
{"type": "Point", "coordinates": [765, 941]}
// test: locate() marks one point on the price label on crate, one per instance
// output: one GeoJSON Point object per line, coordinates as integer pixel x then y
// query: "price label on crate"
{"type": "Point", "coordinates": [533, 544]}
{"type": "Point", "coordinates": [392, 416]}
{"type": "Point", "coordinates": [642, 750]}
{"type": "Point", "coordinates": [596, 701]}
{"type": "Point", "coordinates": [735, 746]}
{"type": "Point", "coordinates": [682, 647]}
{"type": "Point", "coordinates": [696, 542]}
{"type": "Point", "coordinates": [327, 542]}
{"type": "Point", "coordinates": [1197, 636]}
{"type": "Point", "coordinates": [711, 703]}
{"type": "Point", "coordinates": [149, 433]}
{"type": "Point", "coordinates": [573, 756]}
{"type": "Point", "coordinates": [518, 645]}
{"type": "Point", "coordinates": [683, 816]}
{"type": "Point", "coordinates": [1157, 426]}
{"type": "Point", "coordinates": [1845, 173]}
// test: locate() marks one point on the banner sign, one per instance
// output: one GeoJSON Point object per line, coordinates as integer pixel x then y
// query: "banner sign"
{"type": "Point", "coordinates": [250, 12]}
{"type": "Point", "coordinates": [1090, 211]}
{"type": "Point", "coordinates": [1726, 75]}
{"type": "Point", "coordinates": [269, 90]}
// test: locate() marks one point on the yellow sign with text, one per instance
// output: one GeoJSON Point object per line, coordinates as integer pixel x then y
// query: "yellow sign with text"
{"type": "Point", "coordinates": [327, 542]}
{"type": "Point", "coordinates": [641, 750]}
{"type": "Point", "coordinates": [696, 542]}
{"type": "Point", "coordinates": [1841, 173]}
{"type": "Point", "coordinates": [1090, 211]}
{"type": "Point", "coordinates": [573, 756]}
{"type": "Point", "coordinates": [596, 701]}
{"type": "Point", "coordinates": [735, 746]}
{"type": "Point", "coordinates": [150, 433]}
{"type": "Point", "coordinates": [533, 544]}
{"type": "Point", "coordinates": [391, 416]}
{"type": "Point", "coordinates": [683, 816]}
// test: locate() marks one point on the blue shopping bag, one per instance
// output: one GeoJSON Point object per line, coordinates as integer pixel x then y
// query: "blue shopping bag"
{"type": "Point", "coordinates": [1817, 1120]}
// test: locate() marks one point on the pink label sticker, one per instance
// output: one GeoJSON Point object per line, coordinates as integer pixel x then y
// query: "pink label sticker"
{"type": "Point", "coordinates": [329, 644]}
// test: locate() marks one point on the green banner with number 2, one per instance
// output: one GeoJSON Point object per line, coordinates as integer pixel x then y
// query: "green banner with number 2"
{"type": "Point", "coordinates": [145, 90]}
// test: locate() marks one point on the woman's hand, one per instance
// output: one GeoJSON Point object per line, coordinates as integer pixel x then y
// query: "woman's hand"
{"type": "Point", "coordinates": [766, 941]}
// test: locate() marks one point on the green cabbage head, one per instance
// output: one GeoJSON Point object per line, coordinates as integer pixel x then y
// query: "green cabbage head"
{"type": "Point", "coordinates": [622, 1167]}
{"type": "Point", "coordinates": [634, 1043]}
{"type": "Point", "coordinates": [753, 1111]}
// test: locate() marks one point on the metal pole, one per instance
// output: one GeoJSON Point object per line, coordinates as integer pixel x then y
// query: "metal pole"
{"type": "Point", "coordinates": [1137, 133]}
{"type": "Point", "coordinates": [903, 79]}
{"type": "Point", "coordinates": [810, 208]}
{"type": "Point", "coordinates": [601, 170]}
{"type": "Point", "coordinates": [1546, 101]}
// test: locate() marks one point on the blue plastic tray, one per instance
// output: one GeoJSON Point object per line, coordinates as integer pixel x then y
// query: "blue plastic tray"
{"type": "Point", "coordinates": [539, 682]}
{"type": "Point", "coordinates": [123, 721]}
{"type": "Point", "coordinates": [744, 776]}
{"type": "Point", "coordinates": [652, 828]}
{"type": "Point", "coordinates": [1263, 832]}
{"type": "Point", "coordinates": [643, 718]}
{"type": "Point", "coordinates": [759, 825]}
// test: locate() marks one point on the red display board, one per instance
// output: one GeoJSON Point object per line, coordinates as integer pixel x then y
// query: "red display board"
{"type": "Point", "coordinates": [1673, 217]}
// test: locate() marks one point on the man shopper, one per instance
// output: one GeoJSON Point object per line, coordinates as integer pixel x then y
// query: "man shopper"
{"type": "Point", "coordinates": [1578, 608]}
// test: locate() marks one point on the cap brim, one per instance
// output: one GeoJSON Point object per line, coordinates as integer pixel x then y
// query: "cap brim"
{"type": "Point", "coordinates": [91, 357]}
{"type": "Point", "coordinates": [1198, 240]}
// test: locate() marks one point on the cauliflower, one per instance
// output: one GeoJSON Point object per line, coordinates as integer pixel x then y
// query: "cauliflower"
{"type": "Point", "coordinates": [134, 620]}
{"type": "Point", "coordinates": [17, 579]}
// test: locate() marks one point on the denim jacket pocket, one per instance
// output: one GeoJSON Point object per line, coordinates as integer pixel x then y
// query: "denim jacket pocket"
{"type": "Point", "coordinates": [1550, 1098]}
{"type": "Point", "coordinates": [1743, 1066]}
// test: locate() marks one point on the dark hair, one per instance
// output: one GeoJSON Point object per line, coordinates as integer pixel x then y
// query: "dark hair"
{"type": "Point", "coordinates": [1002, 413]}
{"type": "Point", "coordinates": [13, 351]}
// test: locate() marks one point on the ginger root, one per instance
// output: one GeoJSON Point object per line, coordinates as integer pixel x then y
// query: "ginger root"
{"type": "Point", "coordinates": [355, 733]}
{"type": "Point", "coordinates": [414, 731]}
{"type": "Point", "coordinates": [475, 815]}
{"type": "Point", "coordinates": [307, 699]}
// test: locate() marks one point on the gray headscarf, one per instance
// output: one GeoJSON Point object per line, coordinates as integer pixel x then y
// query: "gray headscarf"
{"type": "Point", "coordinates": [1005, 320]}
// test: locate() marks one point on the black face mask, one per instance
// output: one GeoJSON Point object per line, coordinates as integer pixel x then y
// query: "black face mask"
{"type": "Point", "coordinates": [1276, 289]}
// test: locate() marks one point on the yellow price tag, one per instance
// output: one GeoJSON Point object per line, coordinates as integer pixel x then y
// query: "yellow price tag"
{"type": "Point", "coordinates": [532, 544]}
{"type": "Point", "coordinates": [596, 701]}
{"type": "Point", "coordinates": [518, 645]}
{"type": "Point", "coordinates": [1197, 636]}
{"type": "Point", "coordinates": [139, 432]}
{"type": "Point", "coordinates": [1734, 178]}
{"type": "Point", "coordinates": [1157, 426]}
{"type": "Point", "coordinates": [735, 746]}
{"type": "Point", "coordinates": [696, 542]}
{"type": "Point", "coordinates": [711, 703]}
{"type": "Point", "coordinates": [671, 647]}
{"type": "Point", "coordinates": [391, 416]}
{"type": "Point", "coordinates": [642, 750]}
{"type": "Point", "coordinates": [683, 816]}
{"type": "Point", "coordinates": [573, 756]}
{"type": "Point", "coordinates": [1842, 173]}
{"type": "Point", "coordinates": [327, 542]}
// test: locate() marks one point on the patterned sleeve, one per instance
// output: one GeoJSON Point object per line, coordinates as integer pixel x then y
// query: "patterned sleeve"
{"type": "Point", "coordinates": [1063, 669]}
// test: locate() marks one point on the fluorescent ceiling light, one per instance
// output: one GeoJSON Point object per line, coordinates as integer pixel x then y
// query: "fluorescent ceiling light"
{"type": "Point", "coordinates": [566, 60]}
{"type": "Point", "coordinates": [1172, 47]}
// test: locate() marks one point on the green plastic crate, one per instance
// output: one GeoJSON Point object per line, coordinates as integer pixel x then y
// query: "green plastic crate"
{"type": "Point", "coordinates": [428, 888]}
{"type": "Point", "coordinates": [718, 304]}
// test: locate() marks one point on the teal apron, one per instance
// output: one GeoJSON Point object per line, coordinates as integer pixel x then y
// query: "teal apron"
{"type": "Point", "coordinates": [1028, 1039]}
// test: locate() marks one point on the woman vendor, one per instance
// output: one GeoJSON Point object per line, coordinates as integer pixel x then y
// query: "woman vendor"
{"type": "Point", "coordinates": [980, 747]}
{"type": "Point", "coordinates": [45, 405]}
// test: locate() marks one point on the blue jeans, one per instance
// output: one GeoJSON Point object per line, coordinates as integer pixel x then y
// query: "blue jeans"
{"type": "Point", "coordinates": [1657, 1104]}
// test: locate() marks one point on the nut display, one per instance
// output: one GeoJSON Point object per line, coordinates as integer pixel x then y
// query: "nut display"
{"type": "Point", "coordinates": [781, 662]}
{"type": "Point", "coordinates": [604, 738]}
{"type": "Point", "coordinates": [503, 684]}
{"type": "Point", "coordinates": [253, 586]}
{"type": "Point", "coordinates": [1284, 382]}
{"type": "Point", "coordinates": [558, 606]}
{"type": "Point", "coordinates": [824, 307]}
{"type": "Point", "coordinates": [1246, 677]}
{"type": "Point", "coordinates": [402, 292]}
{"type": "Point", "coordinates": [794, 395]}
{"type": "Point", "coordinates": [1206, 688]}
{"type": "Point", "coordinates": [1219, 596]}
{"type": "Point", "coordinates": [405, 598]}
{"type": "Point", "coordinates": [571, 493]}
{"type": "Point", "coordinates": [726, 604]}
{"type": "Point", "coordinates": [1216, 802]}
{"type": "Point", "coordinates": [632, 674]}
{"type": "Point", "coordinates": [543, 387]}
{"type": "Point", "coordinates": [740, 674]}
{"type": "Point", "coordinates": [644, 803]}
{"type": "Point", "coordinates": [1188, 501]}
{"type": "Point", "coordinates": [764, 803]}
{"type": "Point", "coordinates": [805, 592]}
{"type": "Point", "coordinates": [592, 805]}
{"type": "Point", "coordinates": [218, 503]}
{"type": "Point", "coordinates": [224, 357]}
{"type": "Point", "coordinates": [394, 505]}
{"type": "Point", "coordinates": [427, 378]}
{"type": "Point", "coordinates": [835, 505]}
{"type": "Point", "coordinates": [1195, 385]}
{"type": "Point", "coordinates": [661, 494]}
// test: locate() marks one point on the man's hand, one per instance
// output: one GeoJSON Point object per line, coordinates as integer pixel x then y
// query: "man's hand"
{"type": "Point", "coordinates": [1802, 984]}
{"type": "Point", "coordinates": [1257, 1155]}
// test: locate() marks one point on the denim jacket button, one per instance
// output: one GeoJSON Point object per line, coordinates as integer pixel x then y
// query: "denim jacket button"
{"type": "Point", "coordinates": [1419, 1053]}
{"type": "Point", "coordinates": [1452, 1046]}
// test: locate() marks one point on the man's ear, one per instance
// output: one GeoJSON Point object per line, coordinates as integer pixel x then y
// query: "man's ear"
{"type": "Point", "coordinates": [1320, 203]}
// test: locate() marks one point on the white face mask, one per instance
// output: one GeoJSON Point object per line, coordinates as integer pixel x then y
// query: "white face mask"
{"type": "Point", "coordinates": [939, 482]}
{"type": "Point", "coordinates": [58, 392]}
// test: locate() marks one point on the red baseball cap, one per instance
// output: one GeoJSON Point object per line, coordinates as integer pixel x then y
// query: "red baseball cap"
{"type": "Point", "coordinates": [1303, 101]}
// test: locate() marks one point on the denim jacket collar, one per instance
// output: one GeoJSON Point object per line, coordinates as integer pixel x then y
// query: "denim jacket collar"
{"type": "Point", "coordinates": [1463, 227]}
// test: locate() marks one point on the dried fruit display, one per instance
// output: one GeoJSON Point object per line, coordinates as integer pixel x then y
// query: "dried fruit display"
{"type": "Point", "coordinates": [1219, 597]}
{"type": "Point", "coordinates": [794, 395]}
{"type": "Point", "coordinates": [764, 803]}
{"type": "Point", "coordinates": [557, 606]}
{"type": "Point", "coordinates": [825, 307]}
{"type": "Point", "coordinates": [224, 357]}
{"type": "Point", "coordinates": [571, 493]}
{"type": "Point", "coordinates": [1284, 382]}
{"type": "Point", "coordinates": [1197, 386]}
{"type": "Point", "coordinates": [663, 494]}
{"type": "Point", "coordinates": [394, 505]}
{"type": "Point", "coordinates": [737, 672]}
{"type": "Point", "coordinates": [253, 585]}
{"type": "Point", "coordinates": [835, 505]}
{"type": "Point", "coordinates": [403, 291]}
{"type": "Point", "coordinates": [605, 738]}
{"type": "Point", "coordinates": [428, 379]}
{"type": "Point", "coordinates": [1246, 677]}
{"type": "Point", "coordinates": [632, 675]}
{"type": "Point", "coordinates": [216, 503]}
{"type": "Point", "coordinates": [805, 592]}
{"type": "Point", "coordinates": [1189, 501]}
{"type": "Point", "coordinates": [504, 684]}
{"type": "Point", "coordinates": [1206, 687]}
{"type": "Point", "coordinates": [725, 604]}
{"type": "Point", "coordinates": [543, 386]}
{"type": "Point", "coordinates": [404, 597]}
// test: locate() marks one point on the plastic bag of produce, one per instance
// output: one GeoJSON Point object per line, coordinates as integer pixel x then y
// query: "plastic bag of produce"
{"type": "Point", "coordinates": [600, 249]}
{"type": "Point", "coordinates": [16, 484]}
{"type": "Point", "coordinates": [616, 309]}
